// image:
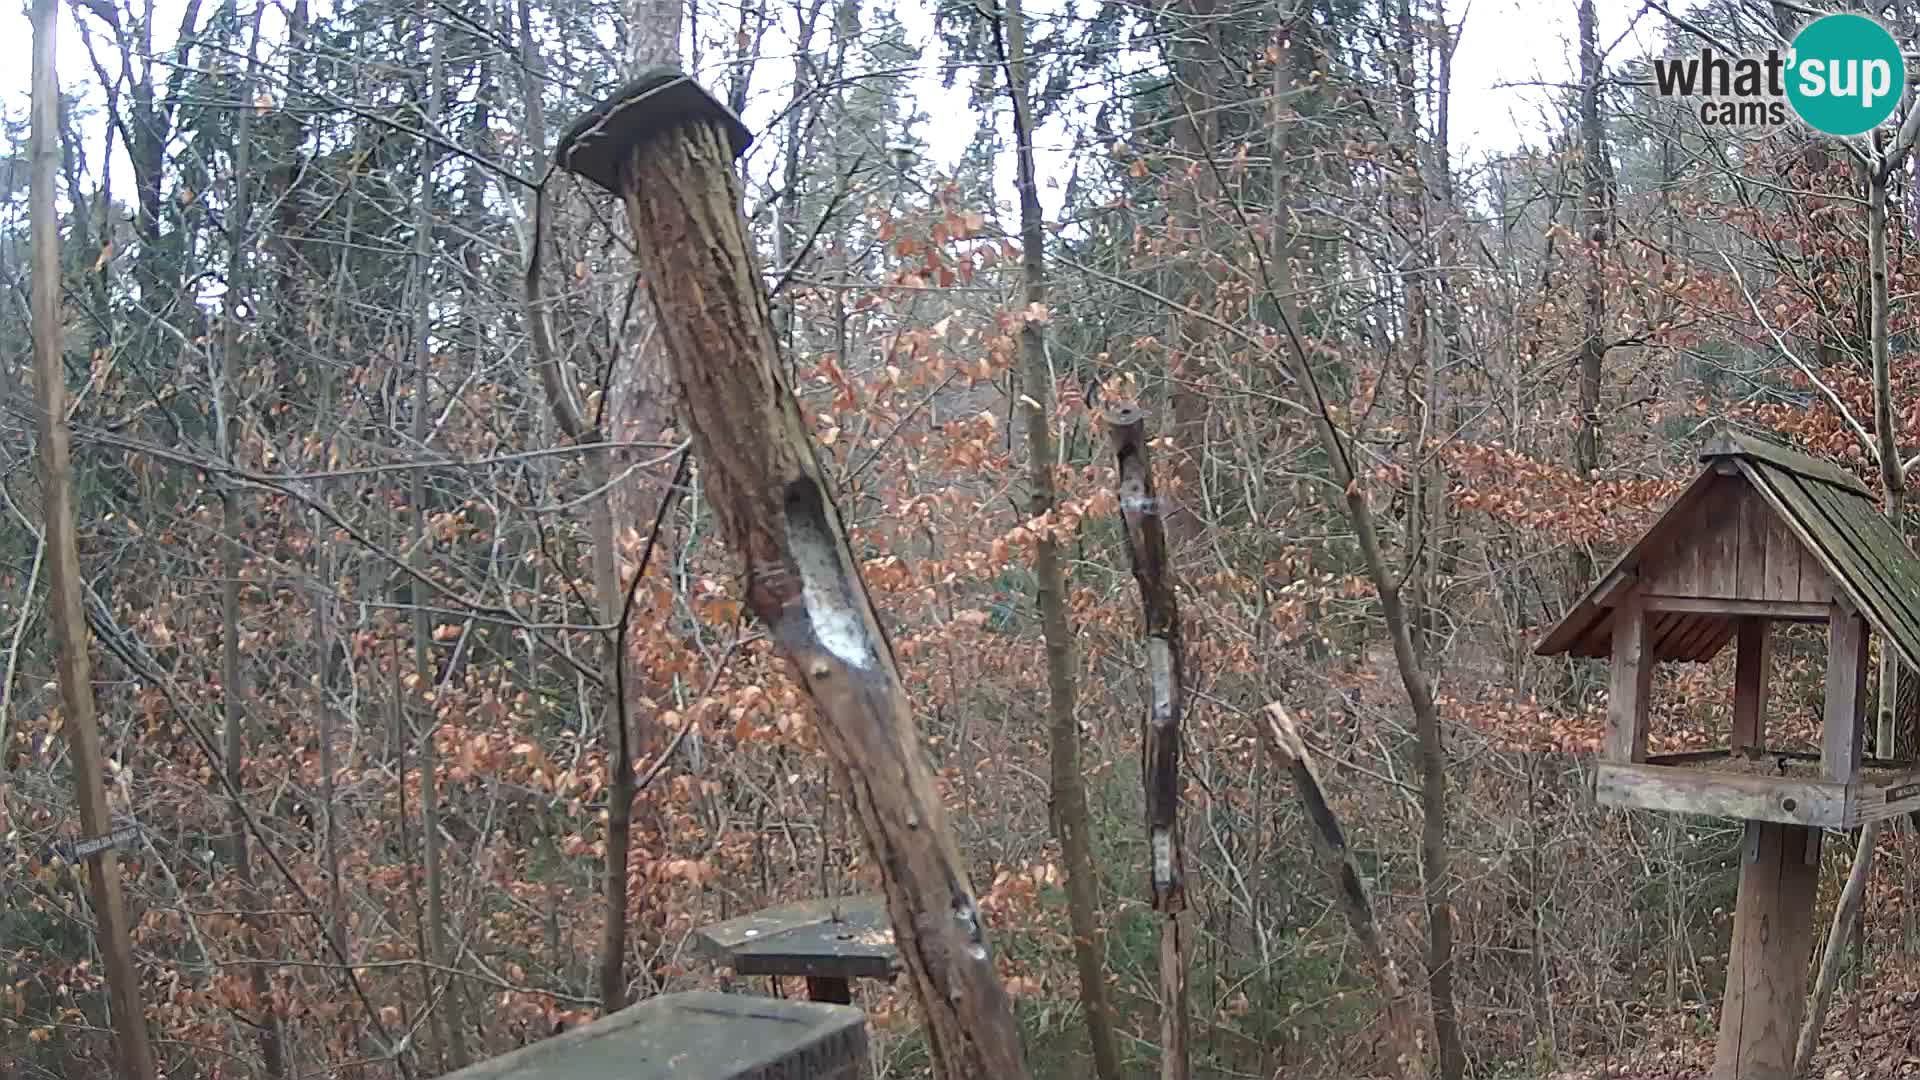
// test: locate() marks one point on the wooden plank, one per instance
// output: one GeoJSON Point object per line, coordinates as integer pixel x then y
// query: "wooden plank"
{"type": "Point", "coordinates": [1873, 566]}
{"type": "Point", "coordinates": [1738, 445]}
{"type": "Point", "coordinates": [1632, 681]}
{"type": "Point", "coordinates": [1879, 802]}
{"type": "Point", "coordinates": [1753, 663]}
{"type": "Point", "coordinates": [1890, 561]}
{"type": "Point", "coordinates": [1707, 793]}
{"type": "Point", "coordinates": [1687, 757]}
{"type": "Point", "coordinates": [1786, 610]}
{"type": "Point", "coordinates": [1816, 585]}
{"type": "Point", "coordinates": [1719, 540]}
{"type": "Point", "coordinates": [1753, 526]}
{"type": "Point", "coordinates": [1691, 562]}
{"type": "Point", "coordinates": [1767, 966]}
{"type": "Point", "coordinates": [1663, 629]}
{"type": "Point", "coordinates": [848, 938]}
{"type": "Point", "coordinates": [1701, 632]}
{"type": "Point", "coordinates": [1843, 727]}
{"type": "Point", "coordinates": [1784, 551]}
{"type": "Point", "coordinates": [1803, 514]}
{"type": "Point", "coordinates": [697, 1035]}
{"type": "Point", "coordinates": [1613, 587]}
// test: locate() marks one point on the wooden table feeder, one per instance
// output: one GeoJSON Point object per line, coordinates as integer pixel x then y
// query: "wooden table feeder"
{"type": "Point", "coordinates": [697, 1036]}
{"type": "Point", "coordinates": [1762, 535]}
{"type": "Point", "coordinates": [830, 942]}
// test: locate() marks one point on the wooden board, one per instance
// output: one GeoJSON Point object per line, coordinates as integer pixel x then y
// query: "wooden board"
{"type": "Point", "coordinates": [697, 1036]}
{"type": "Point", "coordinates": [1734, 444]}
{"type": "Point", "coordinates": [1879, 802]}
{"type": "Point", "coordinates": [807, 939]}
{"type": "Point", "coordinates": [1679, 790]}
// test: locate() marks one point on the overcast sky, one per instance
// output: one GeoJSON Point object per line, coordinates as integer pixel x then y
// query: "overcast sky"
{"type": "Point", "coordinates": [1509, 52]}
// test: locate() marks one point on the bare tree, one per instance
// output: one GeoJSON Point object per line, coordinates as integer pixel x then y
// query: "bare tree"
{"type": "Point", "coordinates": [129, 1020]}
{"type": "Point", "coordinates": [1067, 785]}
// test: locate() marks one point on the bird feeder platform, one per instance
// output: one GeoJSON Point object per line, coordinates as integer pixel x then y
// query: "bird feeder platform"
{"type": "Point", "coordinates": [1763, 535]}
{"type": "Point", "coordinates": [829, 942]}
{"type": "Point", "coordinates": [697, 1036]}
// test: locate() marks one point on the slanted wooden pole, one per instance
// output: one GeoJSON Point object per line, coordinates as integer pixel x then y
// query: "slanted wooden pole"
{"type": "Point", "coordinates": [65, 613]}
{"type": "Point", "coordinates": [667, 148]}
{"type": "Point", "coordinates": [1160, 736]}
{"type": "Point", "coordinates": [1283, 739]}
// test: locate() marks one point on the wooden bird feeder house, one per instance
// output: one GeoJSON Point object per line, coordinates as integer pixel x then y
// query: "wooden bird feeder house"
{"type": "Point", "coordinates": [1762, 535]}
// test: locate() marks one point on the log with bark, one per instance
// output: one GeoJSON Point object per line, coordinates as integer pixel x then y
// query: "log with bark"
{"type": "Point", "coordinates": [667, 148]}
{"type": "Point", "coordinates": [1140, 509]}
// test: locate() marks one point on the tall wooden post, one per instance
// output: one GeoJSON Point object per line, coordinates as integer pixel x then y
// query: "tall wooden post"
{"type": "Point", "coordinates": [667, 148]}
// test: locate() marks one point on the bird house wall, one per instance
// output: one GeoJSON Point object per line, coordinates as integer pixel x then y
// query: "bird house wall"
{"type": "Point", "coordinates": [1736, 548]}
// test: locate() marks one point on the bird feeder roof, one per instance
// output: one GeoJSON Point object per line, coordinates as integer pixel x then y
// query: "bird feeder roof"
{"type": "Point", "coordinates": [1828, 511]}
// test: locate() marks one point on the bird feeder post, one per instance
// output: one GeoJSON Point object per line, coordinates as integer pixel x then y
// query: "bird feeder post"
{"type": "Point", "coordinates": [666, 148]}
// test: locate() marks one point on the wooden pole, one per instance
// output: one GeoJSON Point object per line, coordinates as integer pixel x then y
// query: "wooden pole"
{"type": "Point", "coordinates": [1160, 736]}
{"type": "Point", "coordinates": [63, 600]}
{"type": "Point", "coordinates": [1772, 939]}
{"type": "Point", "coordinates": [667, 147]}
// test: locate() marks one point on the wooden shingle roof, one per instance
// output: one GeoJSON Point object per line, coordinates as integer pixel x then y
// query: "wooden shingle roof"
{"type": "Point", "coordinates": [1828, 510]}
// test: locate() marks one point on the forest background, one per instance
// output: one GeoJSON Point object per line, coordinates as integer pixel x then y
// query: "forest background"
{"type": "Point", "coordinates": [355, 548]}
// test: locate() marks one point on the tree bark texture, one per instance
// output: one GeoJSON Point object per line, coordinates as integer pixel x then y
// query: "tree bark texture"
{"type": "Point", "coordinates": [770, 499]}
{"type": "Point", "coordinates": [1142, 511]}
{"type": "Point", "coordinates": [65, 613]}
{"type": "Point", "coordinates": [1072, 824]}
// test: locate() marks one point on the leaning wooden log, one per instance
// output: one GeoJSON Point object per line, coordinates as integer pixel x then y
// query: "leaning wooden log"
{"type": "Point", "coordinates": [667, 148]}
{"type": "Point", "coordinates": [1160, 735]}
{"type": "Point", "coordinates": [1290, 751]}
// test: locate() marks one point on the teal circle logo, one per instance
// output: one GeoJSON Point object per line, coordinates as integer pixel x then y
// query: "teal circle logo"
{"type": "Point", "coordinates": [1846, 75]}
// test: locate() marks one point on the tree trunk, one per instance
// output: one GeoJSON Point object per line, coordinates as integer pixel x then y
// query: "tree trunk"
{"type": "Point", "coordinates": [1072, 824]}
{"type": "Point", "coordinates": [1193, 46]}
{"type": "Point", "coordinates": [1593, 231]}
{"type": "Point", "coordinates": [233, 680]}
{"type": "Point", "coordinates": [1142, 511]}
{"type": "Point", "coordinates": [667, 147]}
{"type": "Point", "coordinates": [68, 618]}
{"type": "Point", "coordinates": [449, 1015]}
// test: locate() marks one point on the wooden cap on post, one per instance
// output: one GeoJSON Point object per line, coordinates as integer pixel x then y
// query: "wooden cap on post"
{"type": "Point", "coordinates": [659, 99]}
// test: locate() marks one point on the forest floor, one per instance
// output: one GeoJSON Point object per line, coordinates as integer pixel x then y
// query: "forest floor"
{"type": "Point", "coordinates": [1873, 1034]}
